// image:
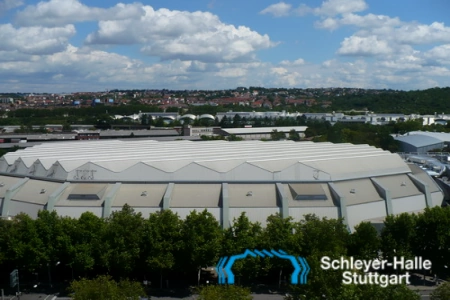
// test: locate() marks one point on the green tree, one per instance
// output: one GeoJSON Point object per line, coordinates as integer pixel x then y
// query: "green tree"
{"type": "Point", "coordinates": [234, 137]}
{"type": "Point", "coordinates": [87, 249]}
{"type": "Point", "coordinates": [54, 236]}
{"type": "Point", "coordinates": [355, 292]}
{"type": "Point", "coordinates": [282, 234]}
{"type": "Point", "coordinates": [224, 122]}
{"type": "Point", "coordinates": [442, 292]}
{"type": "Point", "coordinates": [202, 238]}
{"type": "Point", "coordinates": [24, 246]}
{"type": "Point", "coordinates": [364, 242]}
{"type": "Point", "coordinates": [294, 135]}
{"type": "Point", "coordinates": [275, 135]}
{"type": "Point", "coordinates": [239, 237]}
{"type": "Point", "coordinates": [105, 288]}
{"type": "Point", "coordinates": [224, 292]}
{"type": "Point", "coordinates": [160, 122]}
{"type": "Point", "coordinates": [323, 237]}
{"type": "Point", "coordinates": [433, 238]}
{"type": "Point", "coordinates": [122, 238]}
{"type": "Point", "coordinates": [398, 236]}
{"type": "Point", "coordinates": [162, 241]}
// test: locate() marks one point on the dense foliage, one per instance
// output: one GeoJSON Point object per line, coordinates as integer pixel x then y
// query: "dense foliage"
{"type": "Point", "coordinates": [169, 251]}
{"type": "Point", "coordinates": [105, 288]}
{"type": "Point", "coordinates": [224, 292]}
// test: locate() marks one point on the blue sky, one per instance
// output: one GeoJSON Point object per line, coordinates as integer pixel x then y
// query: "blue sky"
{"type": "Point", "coordinates": [76, 45]}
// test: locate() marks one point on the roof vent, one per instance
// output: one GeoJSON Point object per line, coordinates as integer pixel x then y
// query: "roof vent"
{"type": "Point", "coordinates": [249, 194]}
{"type": "Point", "coordinates": [403, 183]}
{"type": "Point", "coordinates": [2, 184]}
{"type": "Point", "coordinates": [144, 194]}
{"type": "Point", "coordinates": [43, 191]}
{"type": "Point", "coordinates": [353, 191]}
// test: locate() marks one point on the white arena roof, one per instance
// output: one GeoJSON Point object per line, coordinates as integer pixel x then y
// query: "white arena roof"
{"type": "Point", "coordinates": [178, 161]}
{"type": "Point", "coordinates": [355, 182]}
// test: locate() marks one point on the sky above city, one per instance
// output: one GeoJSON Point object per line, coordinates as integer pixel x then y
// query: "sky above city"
{"type": "Point", "coordinates": [76, 45]}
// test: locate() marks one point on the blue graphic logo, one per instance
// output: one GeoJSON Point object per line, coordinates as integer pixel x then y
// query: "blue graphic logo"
{"type": "Point", "coordinates": [299, 276]}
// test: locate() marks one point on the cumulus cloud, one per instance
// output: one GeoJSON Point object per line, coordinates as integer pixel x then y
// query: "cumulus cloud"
{"type": "Point", "coordinates": [329, 8]}
{"type": "Point", "coordinates": [170, 34]}
{"type": "Point", "coordinates": [6, 5]}
{"type": "Point", "coordinates": [297, 62]}
{"type": "Point", "coordinates": [85, 68]}
{"type": "Point", "coordinates": [417, 34]}
{"type": "Point", "coordinates": [167, 34]}
{"type": "Point", "coordinates": [61, 12]}
{"type": "Point", "coordinates": [439, 54]}
{"type": "Point", "coordinates": [277, 10]}
{"type": "Point", "coordinates": [199, 51]}
{"type": "Point", "coordinates": [382, 35]}
{"type": "Point", "coordinates": [370, 45]}
{"type": "Point", "coordinates": [336, 7]}
{"type": "Point", "coordinates": [35, 40]}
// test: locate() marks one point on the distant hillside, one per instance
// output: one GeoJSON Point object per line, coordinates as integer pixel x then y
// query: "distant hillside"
{"type": "Point", "coordinates": [422, 102]}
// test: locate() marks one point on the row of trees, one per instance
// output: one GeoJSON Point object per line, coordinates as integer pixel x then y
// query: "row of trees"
{"type": "Point", "coordinates": [162, 246]}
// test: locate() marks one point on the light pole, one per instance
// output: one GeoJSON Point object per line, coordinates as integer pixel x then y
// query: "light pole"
{"type": "Point", "coordinates": [49, 275]}
{"type": "Point", "coordinates": [71, 268]}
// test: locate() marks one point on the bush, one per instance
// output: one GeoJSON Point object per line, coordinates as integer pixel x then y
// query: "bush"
{"type": "Point", "coordinates": [105, 288]}
{"type": "Point", "coordinates": [224, 292]}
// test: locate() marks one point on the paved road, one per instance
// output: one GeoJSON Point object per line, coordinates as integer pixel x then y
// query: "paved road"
{"type": "Point", "coordinates": [425, 292]}
{"type": "Point", "coordinates": [255, 297]}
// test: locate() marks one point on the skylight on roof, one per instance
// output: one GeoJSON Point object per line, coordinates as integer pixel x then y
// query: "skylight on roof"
{"type": "Point", "coordinates": [310, 197]}
{"type": "Point", "coordinates": [83, 197]}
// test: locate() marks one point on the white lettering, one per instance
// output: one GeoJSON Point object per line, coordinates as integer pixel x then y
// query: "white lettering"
{"type": "Point", "coordinates": [335, 265]}
{"type": "Point", "coordinates": [427, 264]}
{"type": "Point", "coordinates": [347, 277]}
{"type": "Point", "coordinates": [376, 264]}
{"type": "Point", "coordinates": [325, 263]}
{"type": "Point", "coordinates": [367, 264]}
{"type": "Point", "coordinates": [398, 262]}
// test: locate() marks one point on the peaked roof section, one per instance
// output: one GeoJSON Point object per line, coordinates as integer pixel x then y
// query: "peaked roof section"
{"type": "Point", "coordinates": [340, 161]}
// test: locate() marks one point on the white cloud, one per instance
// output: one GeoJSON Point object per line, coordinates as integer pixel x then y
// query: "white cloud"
{"type": "Point", "coordinates": [232, 72]}
{"type": "Point", "coordinates": [35, 40]}
{"type": "Point", "coordinates": [440, 53]}
{"type": "Point", "coordinates": [297, 62]}
{"type": "Point", "coordinates": [199, 51]}
{"type": "Point", "coordinates": [183, 35]}
{"type": "Point", "coordinates": [279, 9]}
{"type": "Point", "coordinates": [6, 5]}
{"type": "Point", "coordinates": [336, 7]}
{"type": "Point", "coordinates": [164, 33]}
{"type": "Point", "coordinates": [329, 8]}
{"type": "Point", "coordinates": [370, 45]}
{"type": "Point", "coordinates": [76, 69]}
{"type": "Point", "coordinates": [279, 71]}
{"type": "Point", "coordinates": [381, 35]}
{"type": "Point", "coordinates": [61, 12]}
{"type": "Point", "coordinates": [419, 34]}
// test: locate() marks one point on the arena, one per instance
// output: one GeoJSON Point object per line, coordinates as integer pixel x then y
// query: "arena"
{"type": "Point", "coordinates": [356, 182]}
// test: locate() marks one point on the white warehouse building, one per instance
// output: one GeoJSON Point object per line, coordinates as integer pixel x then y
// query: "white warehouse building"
{"type": "Point", "coordinates": [356, 182]}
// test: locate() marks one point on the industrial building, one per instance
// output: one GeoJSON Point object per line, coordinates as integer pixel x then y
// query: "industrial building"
{"type": "Point", "coordinates": [257, 133]}
{"type": "Point", "coordinates": [419, 143]}
{"type": "Point", "coordinates": [423, 141]}
{"type": "Point", "coordinates": [355, 182]}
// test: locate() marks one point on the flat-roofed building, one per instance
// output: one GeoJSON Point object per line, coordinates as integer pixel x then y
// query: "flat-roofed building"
{"type": "Point", "coordinates": [257, 133]}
